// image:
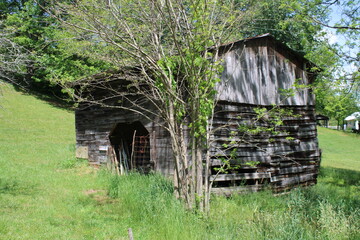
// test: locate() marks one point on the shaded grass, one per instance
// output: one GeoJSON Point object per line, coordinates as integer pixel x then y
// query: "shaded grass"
{"type": "Point", "coordinates": [45, 193]}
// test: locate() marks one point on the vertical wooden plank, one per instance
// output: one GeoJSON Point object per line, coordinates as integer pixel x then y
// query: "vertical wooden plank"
{"type": "Point", "coordinates": [265, 81]}
{"type": "Point", "coordinates": [272, 82]}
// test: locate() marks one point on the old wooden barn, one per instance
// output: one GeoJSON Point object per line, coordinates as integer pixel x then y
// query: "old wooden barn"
{"type": "Point", "coordinates": [257, 71]}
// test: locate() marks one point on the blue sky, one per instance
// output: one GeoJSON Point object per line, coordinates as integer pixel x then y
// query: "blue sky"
{"type": "Point", "coordinates": [334, 37]}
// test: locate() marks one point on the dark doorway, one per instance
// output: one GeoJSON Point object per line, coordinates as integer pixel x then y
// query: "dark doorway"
{"type": "Point", "coordinates": [131, 144]}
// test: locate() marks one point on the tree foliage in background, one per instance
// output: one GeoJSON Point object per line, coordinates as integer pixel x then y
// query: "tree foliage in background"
{"type": "Point", "coordinates": [14, 59]}
{"type": "Point", "coordinates": [338, 89]}
{"type": "Point", "coordinates": [37, 37]}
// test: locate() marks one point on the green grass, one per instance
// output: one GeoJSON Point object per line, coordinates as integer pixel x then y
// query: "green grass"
{"type": "Point", "coordinates": [45, 193]}
{"type": "Point", "coordinates": [340, 149]}
{"type": "Point", "coordinates": [39, 197]}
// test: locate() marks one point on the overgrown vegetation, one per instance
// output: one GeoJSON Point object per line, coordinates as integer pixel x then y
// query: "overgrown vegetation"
{"type": "Point", "coordinates": [175, 45]}
{"type": "Point", "coordinates": [47, 194]}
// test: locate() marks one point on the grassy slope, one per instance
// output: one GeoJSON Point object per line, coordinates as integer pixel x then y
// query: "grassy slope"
{"type": "Point", "coordinates": [46, 194]}
{"type": "Point", "coordinates": [340, 150]}
{"type": "Point", "coordinates": [39, 198]}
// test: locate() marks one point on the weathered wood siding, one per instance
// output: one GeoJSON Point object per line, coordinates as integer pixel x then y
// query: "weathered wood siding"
{"type": "Point", "coordinates": [94, 125]}
{"type": "Point", "coordinates": [289, 158]}
{"type": "Point", "coordinates": [257, 72]}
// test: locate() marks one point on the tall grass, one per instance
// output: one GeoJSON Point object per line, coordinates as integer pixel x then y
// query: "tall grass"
{"type": "Point", "coordinates": [45, 193]}
{"type": "Point", "coordinates": [321, 212]}
{"type": "Point", "coordinates": [150, 208]}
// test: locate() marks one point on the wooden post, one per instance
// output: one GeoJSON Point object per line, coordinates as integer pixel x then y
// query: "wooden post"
{"type": "Point", "coordinates": [116, 162]}
{"type": "Point", "coordinates": [132, 152]}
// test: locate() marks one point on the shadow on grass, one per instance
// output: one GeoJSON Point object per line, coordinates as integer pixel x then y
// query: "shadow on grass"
{"type": "Point", "coordinates": [339, 177]}
{"type": "Point", "coordinates": [14, 187]}
{"type": "Point", "coordinates": [53, 94]}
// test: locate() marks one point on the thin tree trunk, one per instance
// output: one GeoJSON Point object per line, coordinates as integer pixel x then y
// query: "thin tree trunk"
{"type": "Point", "coordinates": [179, 148]}
{"type": "Point", "coordinates": [199, 175]}
{"type": "Point", "coordinates": [207, 187]}
{"type": "Point", "coordinates": [193, 167]}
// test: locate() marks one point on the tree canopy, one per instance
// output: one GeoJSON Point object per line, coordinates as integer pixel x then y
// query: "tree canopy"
{"type": "Point", "coordinates": [60, 54]}
{"type": "Point", "coordinates": [38, 45]}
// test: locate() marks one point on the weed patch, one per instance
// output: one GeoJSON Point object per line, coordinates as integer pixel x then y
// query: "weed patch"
{"type": "Point", "coordinates": [16, 187]}
{"type": "Point", "coordinates": [72, 162]}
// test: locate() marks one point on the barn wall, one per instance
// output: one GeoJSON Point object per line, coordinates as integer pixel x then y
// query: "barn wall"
{"type": "Point", "coordinates": [283, 162]}
{"type": "Point", "coordinates": [257, 71]}
{"type": "Point", "coordinates": [94, 124]}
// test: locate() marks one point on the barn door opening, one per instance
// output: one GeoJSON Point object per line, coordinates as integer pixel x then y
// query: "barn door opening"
{"type": "Point", "coordinates": [131, 144]}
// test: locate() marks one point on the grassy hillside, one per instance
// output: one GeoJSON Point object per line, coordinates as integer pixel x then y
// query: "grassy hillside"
{"type": "Point", "coordinates": [45, 193]}
{"type": "Point", "coordinates": [340, 149]}
{"type": "Point", "coordinates": [40, 197]}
